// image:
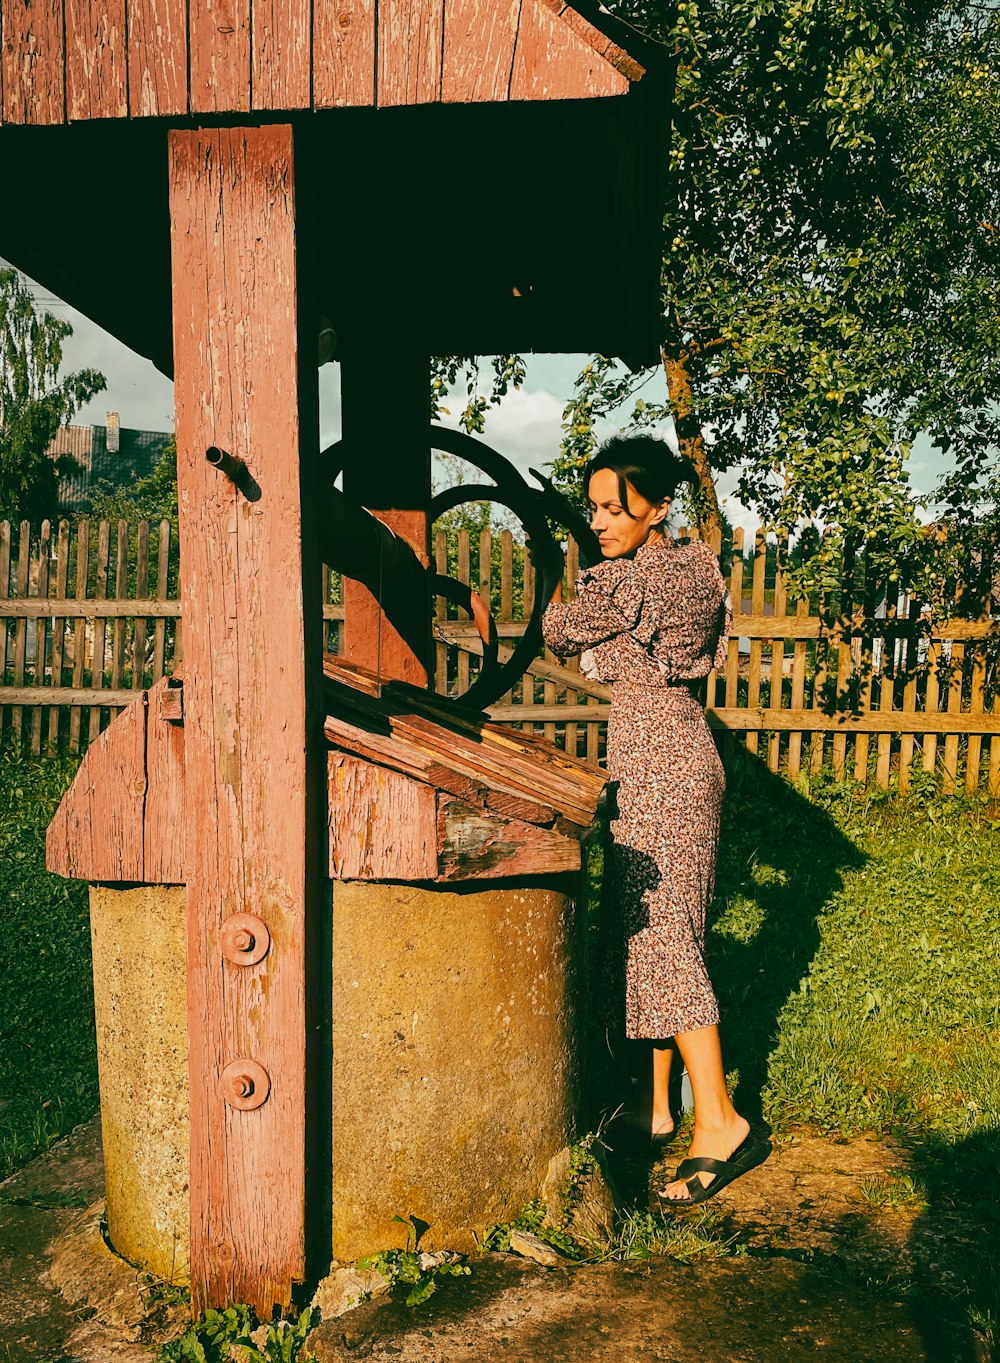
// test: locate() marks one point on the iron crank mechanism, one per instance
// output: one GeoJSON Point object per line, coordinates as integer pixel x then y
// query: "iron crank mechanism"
{"type": "Point", "coordinates": [537, 508]}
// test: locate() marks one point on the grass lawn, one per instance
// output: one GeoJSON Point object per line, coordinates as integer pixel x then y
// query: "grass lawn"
{"type": "Point", "coordinates": [48, 1060]}
{"type": "Point", "coordinates": [855, 947]}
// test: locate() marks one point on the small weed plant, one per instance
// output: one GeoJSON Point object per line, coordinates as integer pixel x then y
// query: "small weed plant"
{"type": "Point", "coordinates": [213, 1336]}
{"type": "Point", "coordinates": [408, 1268]}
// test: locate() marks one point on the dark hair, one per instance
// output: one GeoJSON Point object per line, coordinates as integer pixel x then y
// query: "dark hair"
{"type": "Point", "coordinates": [645, 461]}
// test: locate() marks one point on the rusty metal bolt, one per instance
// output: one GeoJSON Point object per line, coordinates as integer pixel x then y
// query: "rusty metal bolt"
{"type": "Point", "coordinates": [244, 939]}
{"type": "Point", "coordinates": [245, 1084]}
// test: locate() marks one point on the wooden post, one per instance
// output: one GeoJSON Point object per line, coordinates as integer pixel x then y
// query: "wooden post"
{"type": "Point", "coordinates": [388, 470]}
{"type": "Point", "coordinates": [252, 668]}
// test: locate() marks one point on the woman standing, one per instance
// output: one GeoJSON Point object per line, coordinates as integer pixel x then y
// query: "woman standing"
{"type": "Point", "coordinates": [652, 619]}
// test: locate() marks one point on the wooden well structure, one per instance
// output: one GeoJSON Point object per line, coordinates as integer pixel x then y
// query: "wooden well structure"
{"type": "Point", "coordinates": [207, 178]}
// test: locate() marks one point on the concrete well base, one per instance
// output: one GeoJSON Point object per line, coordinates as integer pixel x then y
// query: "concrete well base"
{"type": "Point", "coordinates": [454, 1060]}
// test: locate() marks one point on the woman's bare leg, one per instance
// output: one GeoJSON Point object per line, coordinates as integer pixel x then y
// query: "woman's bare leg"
{"type": "Point", "coordinates": [662, 1119]}
{"type": "Point", "coordinates": [718, 1127]}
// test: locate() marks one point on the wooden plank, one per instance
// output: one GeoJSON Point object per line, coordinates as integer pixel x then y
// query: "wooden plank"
{"type": "Point", "coordinates": [756, 647]}
{"type": "Point", "coordinates": [832, 628]}
{"type": "Point", "coordinates": [96, 60]}
{"type": "Point", "coordinates": [58, 630]}
{"type": "Point", "coordinates": [141, 588]}
{"type": "Point", "coordinates": [100, 592]}
{"type": "Point", "coordinates": [162, 581]}
{"type": "Point", "coordinates": [797, 699]}
{"type": "Point", "coordinates": [744, 720]}
{"type": "Point", "coordinates": [41, 630]}
{"type": "Point", "coordinates": [477, 845]}
{"type": "Point", "coordinates": [732, 681]}
{"type": "Point", "coordinates": [552, 61]}
{"type": "Point", "coordinates": [72, 608]}
{"type": "Point", "coordinates": [866, 670]}
{"type": "Point", "coordinates": [281, 54]}
{"type": "Point", "coordinates": [121, 589]}
{"type": "Point", "coordinates": [410, 35]}
{"type": "Point", "coordinates": [79, 628]}
{"type": "Point", "coordinates": [572, 572]}
{"type": "Point", "coordinates": [528, 598]}
{"type": "Point", "coordinates": [886, 703]}
{"type": "Point", "coordinates": [66, 695]}
{"type": "Point", "coordinates": [949, 766]}
{"type": "Point", "coordinates": [157, 58]}
{"type": "Point", "coordinates": [382, 824]}
{"type": "Point", "coordinates": [776, 686]}
{"type": "Point", "coordinates": [343, 53]}
{"type": "Point", "coordinates": [506, 592]}
{"type": "Point", "coordinates": [219, 64]}
{"type": "Point", "coordinates": [32, 61]}
{"type": "Point", "coordinates": [845, 670]}
{"type": "Point", "coordinates": [479, 41]}
{"type": "Point", "coordinates": [977, 704]}
{"type": "Point", "coordinates": [993, 776]}
{"type": "Point", "coordinates": [907, 742]}
{"type": "Point", "coordinates": [164, 824]}
{"type": "Point", "coordinates": [254, 768]}
{"type": "Point", "coordinates": [97, 831]}
{"type": "Point", "coordinates": [440, 616]}
{"type": "Point", "coordinates": [931, 691]}
{"type": "Point", "coordinates": [4, 591]}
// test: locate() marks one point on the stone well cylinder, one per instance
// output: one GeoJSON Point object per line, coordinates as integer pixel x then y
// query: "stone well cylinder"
{"type": "Point", "coordinates": [454, 1059]}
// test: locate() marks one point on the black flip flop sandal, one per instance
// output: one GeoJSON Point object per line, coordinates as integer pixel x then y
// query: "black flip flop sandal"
{"type": "Point", "coordinates": [753, 1151]}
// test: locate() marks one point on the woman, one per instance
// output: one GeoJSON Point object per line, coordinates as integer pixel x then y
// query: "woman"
{"type": "Point", "coordinates": [652, 619]}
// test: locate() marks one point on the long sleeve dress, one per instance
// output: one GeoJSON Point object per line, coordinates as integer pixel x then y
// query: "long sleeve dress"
{"type": "Point", "coordinates": [654, 625]}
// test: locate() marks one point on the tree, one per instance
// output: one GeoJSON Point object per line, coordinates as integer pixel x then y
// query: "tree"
{"type": "Point", "coordinates": [831, 275]}
{"type": "Point", "coordinates": [34, 400]}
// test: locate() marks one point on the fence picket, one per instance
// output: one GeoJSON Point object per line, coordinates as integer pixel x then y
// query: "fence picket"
{"type": "Point", "coordinates": [95, 648]}
{"type": "Point", "coordinates": [100, 593]}
{"type": "Point", "coordinates": [41, 629]}
{"type": "Point", "coordinates": [58, 630]}
{"type": "Point", "coordinates": [79, 628]}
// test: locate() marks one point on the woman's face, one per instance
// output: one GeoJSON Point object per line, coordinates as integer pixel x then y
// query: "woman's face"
{"type": "Point", "coordinates": [619, 532]}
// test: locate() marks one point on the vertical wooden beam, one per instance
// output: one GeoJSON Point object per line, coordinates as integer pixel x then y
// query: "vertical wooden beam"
{"type": "Point", "coordinates": [252, 641]}
{"type": "Point", "coordinates": [280, 54]}
{"type": "Point", "coordinates": [389, 471]}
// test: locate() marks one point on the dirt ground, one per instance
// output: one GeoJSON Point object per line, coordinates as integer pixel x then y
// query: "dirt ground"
{"type": "Point", "coordinates": [818, 1267]}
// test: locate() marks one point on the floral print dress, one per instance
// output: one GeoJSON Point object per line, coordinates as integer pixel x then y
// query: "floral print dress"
{"type": "Point", "coordinates": [654, 625]}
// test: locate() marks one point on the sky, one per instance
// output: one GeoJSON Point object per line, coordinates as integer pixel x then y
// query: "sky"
{"type": "Point", "coordinates": [525, 427]}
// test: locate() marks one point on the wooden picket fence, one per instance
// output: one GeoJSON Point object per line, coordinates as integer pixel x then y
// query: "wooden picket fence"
{"type": "Point", "coordinates": [863, 685]}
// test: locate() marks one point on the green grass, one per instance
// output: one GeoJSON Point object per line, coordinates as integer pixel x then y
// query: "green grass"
{"type": "Point", "coordinates": [48, 1062]}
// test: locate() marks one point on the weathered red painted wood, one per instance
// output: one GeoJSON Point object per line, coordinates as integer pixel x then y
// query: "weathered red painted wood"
{"type": "Point", "coordinates": [219, 39]}
{"type": "Point", "coordinates": [383, 825]}
{"type": "Point", "coordinates": [479, 39]}
{"type": "Point", "coordinates": [476, 845]}
{"type": "Point", "coordinates": [96, 833]}
{"type": "Point", "coordinates": [280, 56]}
{"type": "Point", "coordinates": [157, 58]}
{"type": "Point", "coordinates": [552, 60]}
{"type": "Point", "coordinates": [122, 819]}
{"type": "Point", "coordinates": [164, 827]}
{"type": "Point", "coordinates": [254, 769]}
{"type": "Point", "coordinates": [96, 60]}
{"type": "Point", "coordinates": [343, 53]}
{"type": "Point", "coordinates": [32, 55]}
{"type": "Point", "coordinates": [409, 51]}
{"type": "Point", "coordinates": [604, 46]}
{"type": "Point", "coordinates": [370, 639]}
